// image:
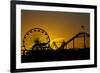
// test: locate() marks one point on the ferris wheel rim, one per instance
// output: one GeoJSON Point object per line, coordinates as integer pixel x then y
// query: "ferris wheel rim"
{"type": "Point", "coordinates": [31, 31]}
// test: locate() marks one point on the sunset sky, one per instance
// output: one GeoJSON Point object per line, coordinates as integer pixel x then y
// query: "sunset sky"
{"type": "Point", "coordinates": [58, 25]}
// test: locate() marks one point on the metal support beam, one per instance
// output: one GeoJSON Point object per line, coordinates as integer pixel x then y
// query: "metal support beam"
{"type": "Point", "coordinates": [73, 43]}
{"type": "Point", "coordinates": [84, 41]}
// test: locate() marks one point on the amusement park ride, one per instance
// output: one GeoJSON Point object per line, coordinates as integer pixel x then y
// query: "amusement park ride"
{"type": "Point", "coordinates": [38, 39]}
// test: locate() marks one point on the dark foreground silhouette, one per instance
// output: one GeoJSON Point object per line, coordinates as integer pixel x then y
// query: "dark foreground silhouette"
{"type": "Point", "coordinates": [57, 55]}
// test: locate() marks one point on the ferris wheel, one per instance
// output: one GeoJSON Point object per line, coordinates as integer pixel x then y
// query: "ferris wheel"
{"type": "Point", "coordinates": [36, 38]}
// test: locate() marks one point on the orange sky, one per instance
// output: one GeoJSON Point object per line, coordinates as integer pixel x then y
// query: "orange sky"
{"type": "Point", "coordinates": [58, 25]}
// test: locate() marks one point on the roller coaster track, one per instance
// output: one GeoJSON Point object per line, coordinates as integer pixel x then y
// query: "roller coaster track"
{"type": "Point", "coordinates": [80, 34]}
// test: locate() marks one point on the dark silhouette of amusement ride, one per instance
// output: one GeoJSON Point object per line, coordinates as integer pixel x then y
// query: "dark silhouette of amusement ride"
{"type": "Point", "coordinates": [36, 47]}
